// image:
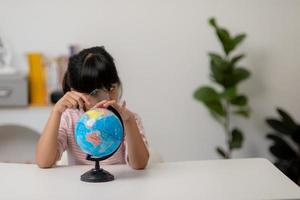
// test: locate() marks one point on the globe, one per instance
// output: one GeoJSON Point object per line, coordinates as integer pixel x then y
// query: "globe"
{"type": "Point", "coordinates": [99, 132]}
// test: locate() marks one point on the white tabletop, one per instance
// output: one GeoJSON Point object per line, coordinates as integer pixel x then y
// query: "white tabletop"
{"type": "Point", "coordinates": [218, 179]}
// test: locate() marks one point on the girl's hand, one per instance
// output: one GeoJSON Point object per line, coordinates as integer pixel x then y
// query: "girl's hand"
{"type": "Point", "coordinates": [121, 108]}
{"type": "Point", "coordinates": [71, 99]}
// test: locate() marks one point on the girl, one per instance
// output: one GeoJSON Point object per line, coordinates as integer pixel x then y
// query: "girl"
{"type": "Point", "coordinates": [91, 81]}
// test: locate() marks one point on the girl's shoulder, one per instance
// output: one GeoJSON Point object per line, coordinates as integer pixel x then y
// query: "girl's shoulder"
{"type": "Point", "coordinates": [139, 123]}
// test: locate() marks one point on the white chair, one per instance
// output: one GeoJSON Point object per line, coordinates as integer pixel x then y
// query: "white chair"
{"type": "Point", "coordinates": [17, 144]}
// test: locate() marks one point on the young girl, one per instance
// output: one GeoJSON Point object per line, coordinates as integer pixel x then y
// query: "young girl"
{"type": "Point", "coordinates": [91, 81]}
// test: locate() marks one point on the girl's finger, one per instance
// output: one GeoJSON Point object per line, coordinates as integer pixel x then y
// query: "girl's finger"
{"type": "Point", "coordinates": [68, 104]}
{"type": "Point", "coordinates": [112, 103]}
{"type": "Point", "coordinates": [82, 96]}
{"type": "Point", "coordinates": [100, 104]}
{"type": "Point", "coordinates": [71, 101]}
{"type": "Point", "coordinates": [78, 99]}
{"type": "Point", "coordinates": [80, 103]}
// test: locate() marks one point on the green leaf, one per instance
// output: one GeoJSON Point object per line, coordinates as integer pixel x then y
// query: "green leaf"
{"type": "Point", "coordinates": [225, 40]}
{"type": "Point", "coordinates": [236, 139]}
{"type": "Point", "coordinates": [240, 100]}
{"type": "Point", "coordinates": [244, 112]}
{"type": "Point", "coordinates": [221, 70]}
{"type": "Point", "coordinates": [217, 117]}
{"type": "Point", "coordinates": [237, 58]}
{"type": "Point", "coordinates": [212, 22]}
{"type": "Point", "coordinates": [286, 118]}
{"type": "Point", "coordinates": [296, 135]}
{"type": "Point", "coordinates": [280, 126]}
{"type": "Point", "coordinates": [220, 63]}
{"type": "Point", "coordinates": [211, 99]}
{"type": "Point", "coordinates": [223, 35]}
{"type": "Point", "coordinates": [216, 107]}
{"type": "Point", "coordinates": [240, 74]}
{"type": "Point", "coordinates": [229, 93]}
{"type": "Point", "coordinates": [206, 94]}
{"type": "Point", "coordinates": [217, 73]}
{"type": "Point", "coordinates": [238, 39]}
{"type": "Point", "coordinates": [228, 43]}
{"type": "Point", "coordinates": [221, 152]}
{"type": "Point", "coordinates": [217, 59]}
{"type": "Point", "coordinates": [280, 148]}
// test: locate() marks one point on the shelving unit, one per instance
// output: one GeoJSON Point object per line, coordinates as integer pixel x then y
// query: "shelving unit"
{"type": "Point", "coordinates": [33, 117]}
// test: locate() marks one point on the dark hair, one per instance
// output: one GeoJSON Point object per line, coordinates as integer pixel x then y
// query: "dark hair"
{"type": "Point", "coordinates": [90, 69]}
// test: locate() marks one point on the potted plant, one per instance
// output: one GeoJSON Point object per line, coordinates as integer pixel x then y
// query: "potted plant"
{"type": "Point", "coordinates": [223, 99]}
{"type": "Point", "coordinates": [285, 144]}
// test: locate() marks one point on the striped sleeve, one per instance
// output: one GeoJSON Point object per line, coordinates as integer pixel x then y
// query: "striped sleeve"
{"type": "Point", "coordinates": [140, 125]}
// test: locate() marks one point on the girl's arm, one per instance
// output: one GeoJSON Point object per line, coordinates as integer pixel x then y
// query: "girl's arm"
{"type": "Point", "coordinates": [47, 151]}
{"type": "Point", "coordinates": [137, 151]}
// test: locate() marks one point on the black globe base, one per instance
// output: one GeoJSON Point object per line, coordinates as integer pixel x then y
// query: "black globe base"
{"type": "Point", "coordinates": [97, 174]}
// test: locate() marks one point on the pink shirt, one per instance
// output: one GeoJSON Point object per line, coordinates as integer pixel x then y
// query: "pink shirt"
{"type": "Point", "coordinates": [67, 142]}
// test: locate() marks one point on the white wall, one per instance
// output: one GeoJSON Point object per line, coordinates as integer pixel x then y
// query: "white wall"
{"type": "Point", "coordinates": [161, 52]}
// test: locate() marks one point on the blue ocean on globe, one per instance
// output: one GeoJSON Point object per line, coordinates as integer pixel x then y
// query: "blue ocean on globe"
{"type": "Point", "coordinates": [99, 132]}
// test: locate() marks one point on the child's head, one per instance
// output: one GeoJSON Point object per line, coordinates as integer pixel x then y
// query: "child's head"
{"type": "Point", "coordinates": [93, 71]}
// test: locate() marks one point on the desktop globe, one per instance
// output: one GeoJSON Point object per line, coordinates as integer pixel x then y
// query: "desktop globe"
{"type": "Point", "coordinates": [99, 133]}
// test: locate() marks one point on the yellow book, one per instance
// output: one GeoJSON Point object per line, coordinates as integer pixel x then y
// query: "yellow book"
{"type": "Point", "coordinates": [37, 80]}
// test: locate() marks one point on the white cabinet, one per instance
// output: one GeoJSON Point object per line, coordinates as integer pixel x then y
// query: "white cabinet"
{"type": "Point", "coordinates": [30, 117]}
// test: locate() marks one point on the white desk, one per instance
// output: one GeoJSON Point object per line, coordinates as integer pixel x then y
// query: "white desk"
{"type": "Point", "coordinates": [219, 179]}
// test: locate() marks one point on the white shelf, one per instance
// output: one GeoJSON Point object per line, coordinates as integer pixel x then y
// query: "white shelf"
{"type": "Point", "coordinates": [33, 117]}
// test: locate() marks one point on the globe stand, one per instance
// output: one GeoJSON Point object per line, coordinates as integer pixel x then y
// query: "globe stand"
{"type": "Point", "coordinates": [97, 174]}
